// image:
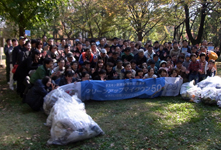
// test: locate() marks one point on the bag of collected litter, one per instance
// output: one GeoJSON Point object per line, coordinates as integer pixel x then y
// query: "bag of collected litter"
{"type": "Point", "coordinates": [184, 88]}
{"type": "Point", "coordinates": [210, 82]}
{"type": "Point", "coordinates": [194, 94]}
{"type": "Point", "coordinates": [209, 95]}
{"type": "Point", "coordinates": [51, 98]}
{"type": "Point", "coordinates": [69, 123]}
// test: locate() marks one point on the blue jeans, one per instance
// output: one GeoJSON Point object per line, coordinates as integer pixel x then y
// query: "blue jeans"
{"type": "Point", "coordinates": [194, 77]}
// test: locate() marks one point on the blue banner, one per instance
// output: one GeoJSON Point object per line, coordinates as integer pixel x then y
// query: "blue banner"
{"type": "Point", "coordinates": [121, 89]}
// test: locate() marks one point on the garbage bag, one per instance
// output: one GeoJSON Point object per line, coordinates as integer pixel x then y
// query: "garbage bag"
{"type": "Point", "coordinates": [209, 95]}
{"type": "Point", "coordinates": [210, 82]}
{"type": "Point", "coordinates": [184, 88]}
{"type": "Point", "coordinates": [69, 123]}
{"type": "Point", "coordinates": [194, 94]}
{"type": "Point", "coordinates": [51, 98]}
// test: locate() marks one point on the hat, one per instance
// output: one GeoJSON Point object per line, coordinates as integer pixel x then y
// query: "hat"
{"type": "Point", "coordinates": [103, 51]}
{"type": "Point", "coordinates": [163, 61]}
{"type": "Point", "coordinates": [140, 51]}
{"type": "Point", "coordinates": [69, 55]}
{"type": "Point", "coordinates": [21, 37]}
{"type": "Point", "coordinates": [77, 40]}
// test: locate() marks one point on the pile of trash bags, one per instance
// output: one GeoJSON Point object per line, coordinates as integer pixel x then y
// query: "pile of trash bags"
{"type": "Point", "coordinates": [68, 119]}
{"type": "Point", "coordinates": [207, 91]}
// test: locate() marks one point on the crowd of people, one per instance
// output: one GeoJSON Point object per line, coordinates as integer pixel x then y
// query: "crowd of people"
{"type": "Point", "coordinates": [40, 65]}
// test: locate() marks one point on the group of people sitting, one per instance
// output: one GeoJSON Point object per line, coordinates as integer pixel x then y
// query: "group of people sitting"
{"type": "Point", "coordinates": [41, 65]}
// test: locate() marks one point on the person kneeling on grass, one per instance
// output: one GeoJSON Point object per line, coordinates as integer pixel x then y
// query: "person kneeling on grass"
{"type": "Point", "coordinates": [42, 87]}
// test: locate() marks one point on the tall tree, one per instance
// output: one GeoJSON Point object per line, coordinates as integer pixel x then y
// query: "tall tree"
{"type": "Point", "coordinates": [25, 13]}
{"type": "Point", "coordinates": [198, 9]}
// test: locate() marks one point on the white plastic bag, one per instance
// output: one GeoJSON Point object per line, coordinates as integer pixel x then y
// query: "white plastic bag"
{"type": "Point", "coordinates": [209, 95]}
{"type": "Point", "coordinates": [194, 94]}
{"type": "Point", "coordinates": [69, 123]}
{"type": "Point", "coordinates": [184, 88]}
{"type": "Point", "coordinates": [51, 98]}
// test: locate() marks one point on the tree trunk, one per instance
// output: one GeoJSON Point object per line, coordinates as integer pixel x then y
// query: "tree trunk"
{"type": "Point", "coordinates": [21, 30]}
{"type": "Point", "coordinates": [139, 35]}
{"type": "Point", "coordinates": [202, 22]}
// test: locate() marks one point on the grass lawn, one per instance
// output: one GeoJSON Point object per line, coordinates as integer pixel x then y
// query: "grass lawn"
{"type": "Point", "coordinates": [160, 123]}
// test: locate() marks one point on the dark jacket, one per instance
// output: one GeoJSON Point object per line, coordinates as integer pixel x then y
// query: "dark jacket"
{"type": "Point", "coordinates": [63, 81]}
{"type": "Point", "coordinates": [35, 96]}
{"type": "Point", "coordinates": [15, 53]}
{"type": "Point", "coordinates": [140, 61]}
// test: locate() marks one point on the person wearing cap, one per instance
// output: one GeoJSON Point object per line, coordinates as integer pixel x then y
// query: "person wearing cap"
{"type": "Point", "coordinates": [194, 68]}
{"type": "Point", "coordinates": [203, 66]}
{"type": "Point", "coordinates": [175, 50]}
{"type": "Point", "coordinates": [70, 58]}
{"type": "Point", "coordinates": [163, 64]}
{"type": "Point", "coordinates": [103, 55]}
{"type": "Point", "coordinates": [149, 53]}
{"type": "Point", "coordinates": [17, 50]}
{"type": "Point", "coordinates": [140, 58]}
{"type": "Point", "coordinates": [127, 56]}
{"type": "Point", "coordinates": [186, 62]}
{"type": "Point", "coordinates": [211, 70]}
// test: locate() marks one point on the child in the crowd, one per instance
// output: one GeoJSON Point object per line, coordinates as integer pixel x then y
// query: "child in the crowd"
{"type": "Point", "coordinates": [194, 68]}
{"type": "Point", "coordinates": [139, 74]}
{"type": "Point", "coordinates": [203, 66]}
{"type": "Point", "coordinates": [128, 75]}
{"type": "Point", "coordinates": [150, 74]}
{"type": "Point", "coordinates": [163, 64]}
{"type": "Point", "coordinates": [211, 71]}
{"type": "Point", "coordinates": [101, 76]}
{"type": "Point", "coordinates": [127, 67]}
{"type": "Point", "coordinates": [163, 72]}
{"type": "Point", "coordinates": [186, 63]}
{"type": "Point", "coordinates": [152, 65]}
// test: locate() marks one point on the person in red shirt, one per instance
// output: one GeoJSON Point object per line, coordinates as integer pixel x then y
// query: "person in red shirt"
{"type": "Point", "coordinates": [194, 68]}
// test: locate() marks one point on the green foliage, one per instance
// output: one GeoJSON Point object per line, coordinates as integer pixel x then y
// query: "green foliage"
{"type": "Point", "coordinates": [26, 13]}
